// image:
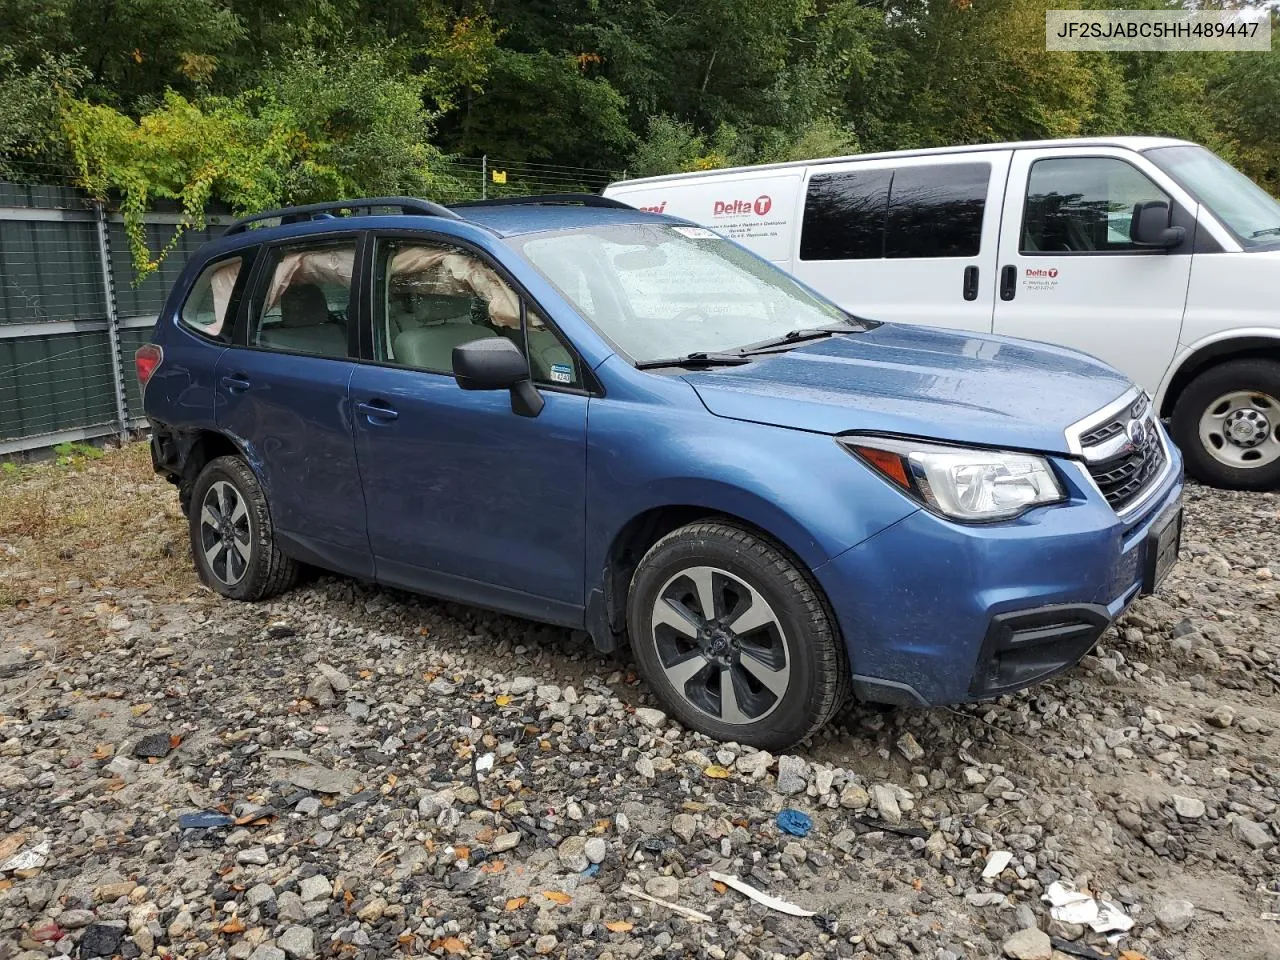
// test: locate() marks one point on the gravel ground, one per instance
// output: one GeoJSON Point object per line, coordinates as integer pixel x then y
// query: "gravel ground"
{"type": "Point", "coordinates": [388, 775]}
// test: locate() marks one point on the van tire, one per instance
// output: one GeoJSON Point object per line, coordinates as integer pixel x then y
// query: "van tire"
{"type": "Point", "coordinates": [265, 571]}
{"type": "Point", "coordinates": [1246, 388]}
{"type": "Point", "coordinates": [798, 635]}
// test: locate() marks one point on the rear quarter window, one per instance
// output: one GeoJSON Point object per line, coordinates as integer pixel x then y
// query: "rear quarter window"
{"type": "Point", "coordinates": [208, 305]}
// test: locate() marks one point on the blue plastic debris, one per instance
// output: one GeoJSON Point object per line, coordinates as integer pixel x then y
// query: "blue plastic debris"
{"type": "Point", "coordinates": [794, 822]}
{"type": "Point", "coordinates": [204, 820]}
{"type": "Point", "coordinates": [592, 870]}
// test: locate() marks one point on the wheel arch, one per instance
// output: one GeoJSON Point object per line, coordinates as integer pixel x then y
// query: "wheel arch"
{"type": "Point", "coordinates": [606, 612]}
{"type": "Point", "coordinates": [1242, 345]}
{"type": "Point", "coordinates": [198, 447]}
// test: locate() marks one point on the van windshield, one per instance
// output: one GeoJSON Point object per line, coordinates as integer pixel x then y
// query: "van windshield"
{"type": "Point", "coordinates": [1251, 213]}
{"type": "Point", "coordinates": [659, 290]}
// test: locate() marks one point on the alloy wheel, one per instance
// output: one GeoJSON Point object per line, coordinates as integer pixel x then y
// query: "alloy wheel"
{"type": "Point", "coordinates": [226, 532]}
{"type": "Point", "coordinates": [721, 645]}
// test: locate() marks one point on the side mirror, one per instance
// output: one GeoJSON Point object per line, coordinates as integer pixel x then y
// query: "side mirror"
{"type": "Point", "coordinates": [1150, 227]}
{"type": "Point", "coordinates": [496, 363]}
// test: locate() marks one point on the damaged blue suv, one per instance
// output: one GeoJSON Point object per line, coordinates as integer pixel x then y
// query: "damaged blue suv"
{"type": "Point", "coordinates": [620, 422]}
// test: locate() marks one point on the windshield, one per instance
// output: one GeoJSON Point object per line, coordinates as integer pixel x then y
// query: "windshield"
{"type": "Point", "coordinates": [1251, 213]}
{"type": "Point", "coordinates": [661, 291]}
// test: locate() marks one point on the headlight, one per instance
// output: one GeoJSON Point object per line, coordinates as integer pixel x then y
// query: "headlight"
{"type": "Point", "coordinates": [959, 482]}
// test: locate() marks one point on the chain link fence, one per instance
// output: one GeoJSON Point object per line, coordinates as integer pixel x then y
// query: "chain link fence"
{"type": "Point", "coordinates": [72, 313]}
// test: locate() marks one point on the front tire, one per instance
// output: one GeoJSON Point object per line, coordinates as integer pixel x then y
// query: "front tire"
{"type": "Point", "coordinates": [1227, 424]}
{"type": "Point", "coordinates": [734, 638]}
{"type": "Point", "coordinates": [232, 541]}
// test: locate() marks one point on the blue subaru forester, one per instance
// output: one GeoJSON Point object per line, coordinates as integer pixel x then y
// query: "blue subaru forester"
{"type": "Point", "coordinates": [620, 422]}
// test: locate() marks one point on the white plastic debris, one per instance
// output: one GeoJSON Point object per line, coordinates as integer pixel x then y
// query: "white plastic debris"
{"type": "Point", "coordinates": [1069, 905]}
{"type": "Point", "coordinates": [996, 862]}
{"type": "Point", "coordinates": [773, 903]}
{"type": "Point", "coordinates": [32, 858]}
{"type": "Point", "coordinates": [485, 763]}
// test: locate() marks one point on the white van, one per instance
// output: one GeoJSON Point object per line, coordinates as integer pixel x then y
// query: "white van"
{"type": "Point", "coordinates": [1152, 254]}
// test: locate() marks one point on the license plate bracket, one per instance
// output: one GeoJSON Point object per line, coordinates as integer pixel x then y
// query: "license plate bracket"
{"type": "Point", "coordinates": [1162, 546]}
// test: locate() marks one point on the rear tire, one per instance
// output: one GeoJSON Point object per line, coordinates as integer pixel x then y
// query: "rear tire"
{"type": "Point", "coordinates": [763, 665]}
{"type": "Point", "coordinates": [232, 541]}
{"type": "Point", "coordinates": [1227, 424]}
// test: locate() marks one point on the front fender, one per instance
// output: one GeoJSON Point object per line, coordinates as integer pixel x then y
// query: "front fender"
{"type": "Point", "coordinates": [1224, 343]}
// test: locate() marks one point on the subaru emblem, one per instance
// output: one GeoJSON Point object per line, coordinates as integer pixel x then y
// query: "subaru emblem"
{"type": "Point", "coordinates": [1137, 432]}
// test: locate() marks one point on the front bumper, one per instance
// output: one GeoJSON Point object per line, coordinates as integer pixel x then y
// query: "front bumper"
{"type": "Point", "coordinates": [937, 612]}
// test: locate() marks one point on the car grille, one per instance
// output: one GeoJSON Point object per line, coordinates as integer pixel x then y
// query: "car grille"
{"type": "Point", "coordinates": [1122, 469]}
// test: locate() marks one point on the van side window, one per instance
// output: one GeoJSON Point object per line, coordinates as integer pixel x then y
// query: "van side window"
{"type": "Point", "coordinates": [1083, 205]}
{"type": "Point", "coordinates": [207, 305]}
{"type": "Point", "coordinates": [936, 211]}
{"type": "Point", "coordinates": [911, 212]}
{"type": "Point", "coordinates": [844, 215]}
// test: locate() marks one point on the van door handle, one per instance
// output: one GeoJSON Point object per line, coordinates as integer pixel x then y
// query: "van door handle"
{"type": "Point", "coordinates": [1008, 282]}
{"type": "Point", "coordinates": [378, 411]}
{"type": "Point", "coordinates": [236, 383]}
{"type": "Point", "coordinates": [971, 283]}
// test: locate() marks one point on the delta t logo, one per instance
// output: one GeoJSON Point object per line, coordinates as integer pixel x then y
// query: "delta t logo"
{"type": "Point", "coordinates": [733, 208]}
{"type": "Point", "coordinates": [1050, 272]}
{"type": "Point", "coordinates": [656, 208]}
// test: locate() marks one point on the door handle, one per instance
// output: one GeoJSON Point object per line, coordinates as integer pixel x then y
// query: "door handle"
{"type": "Point", "coordinates": [1008, 282]}
{"type": "Point", "coordinates": [378, 411]}
{"type": "Point", "coordinates": [236, 383]}
{"type": "Point", "coordinates": [971, 283]}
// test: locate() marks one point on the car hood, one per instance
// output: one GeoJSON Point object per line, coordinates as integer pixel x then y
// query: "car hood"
{"type": "Point", "coordinates": [918, 381]}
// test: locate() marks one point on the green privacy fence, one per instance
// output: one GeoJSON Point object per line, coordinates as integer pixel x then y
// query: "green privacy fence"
{"type": "Point", "coordinates": [71, 314]}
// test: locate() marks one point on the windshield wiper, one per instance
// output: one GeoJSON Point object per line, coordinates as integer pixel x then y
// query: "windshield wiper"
{"type": "Point", "coordinates": [1263, 233]}
{"type": "Point", "coordinates": [697, 360]}
{"type": "Point", "coordinates": [793, 337]}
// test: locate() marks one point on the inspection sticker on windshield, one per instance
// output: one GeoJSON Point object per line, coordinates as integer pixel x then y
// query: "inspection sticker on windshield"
{"type": "Point", "coordinates": [697, 233]}
{"type": "Point", "coordinates": [561, 373]}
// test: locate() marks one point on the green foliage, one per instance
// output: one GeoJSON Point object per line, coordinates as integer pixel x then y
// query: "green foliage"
{"type": "Point", "coordinates": [29, 108]}
{"type": "Point", "coordinates": [69, 454]}
{"type": "Point", "coordinates": [9, 469]}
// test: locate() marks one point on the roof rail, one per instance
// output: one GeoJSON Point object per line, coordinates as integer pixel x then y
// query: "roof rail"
{"type": "Point", "coordinates": [315, 211]}
{"type": "Point", "coordinates": [551, 199]}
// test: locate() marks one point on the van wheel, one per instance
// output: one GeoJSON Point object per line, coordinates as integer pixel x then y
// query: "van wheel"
{"type": "Point", "coordinates": [232, 540]}
{"type": "Point", "coordinates": [734, 638]}
{"type": "Point", "coordinates": [1227, 424]}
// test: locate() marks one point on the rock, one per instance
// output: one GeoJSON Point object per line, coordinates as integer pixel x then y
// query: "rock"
{"type": "Point", "coordinates": [101, 940]}
{"type": "Point", "coordinates": [545, 944]}
{"type": "Point", "coordinates": [684, 826]}
{"type": "Point", "coordinates": [1175, 915]}
{"type": "Point", "coordinates": [505, 841]}
{"type": "Point", "coordinates": [886, 802]}
{"type": "Point", "coordinates": [1256, 835]}
{"type": "Point", "coordinates": [154, 745]}
{"type": "Point", "coordinates": [754, 766]}
{"type": "Point", "coordinates": [1188, 808]}
{"type": "Point", "coordinates": [290, 909]}
{"type": "Point", "coordinates": [308, 806]}
{"type": "Point", "coordinates": [793, 775]}
{"type": "Point", "coordinates": [1028, 944]}
{"type": "Point", "coordinates": [111, 892]}
{"type": "Point", "coordinates": [181, 925]}
{"type": "Point", "coordinates": [547, 693]}
{"type": "Point", "coordinates": [596, 849]}
{"type": "Point", "coordinates": [572, 853]}
{"type": "Point", "coordinates": [265, 952]}
{"type": "Point", "coordinates": [121, 766]}
{"type": "Point", "coordinates": [522, 685]}
{"type": "Point", "coordinates": [909, 748]}
{"type": "Point", "coordinates": [315, 887]}
{"type": "Point", "coordinates": [664, 888]}
{"type": "Point", "coordinates": [646, 769]}
{"type": "Point", "coordinates": [337, 679]}
{"type": "Point", "coordinates": [1222, 716]}
{"type": "Point", "coordinates": [372, 911]}
{"type": "Point", "coordinates": [823, 780]}
{"type": "Point", "coordinates": [253, 856]}
{"type": "Point", "coordinates": [297, 942]}
{"type": "Point", "coordinates": [320, 692]}
{"type": "Point", "coordinates": [259, 894]}
{"type": "Point", "coordinates": [75, 919]}
{"type": "Point", "coordinates": [650, 717]}
{"type": "Point", "coordinates": [854, 797]}
{"type": "Point", "coordinates": [441, 687]}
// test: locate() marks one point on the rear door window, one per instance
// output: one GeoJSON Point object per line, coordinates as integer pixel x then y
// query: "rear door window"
{"type": "Point", "coordinates": [303, 303]}
{"type": "Point", "coordinates": [208, 305]}
{"type": "Point", "coordinates": [936, 210]}
{"type": "Point", "coordinates": [923, 211]}
{"type": "Point", "coordinates": [844, 215]}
